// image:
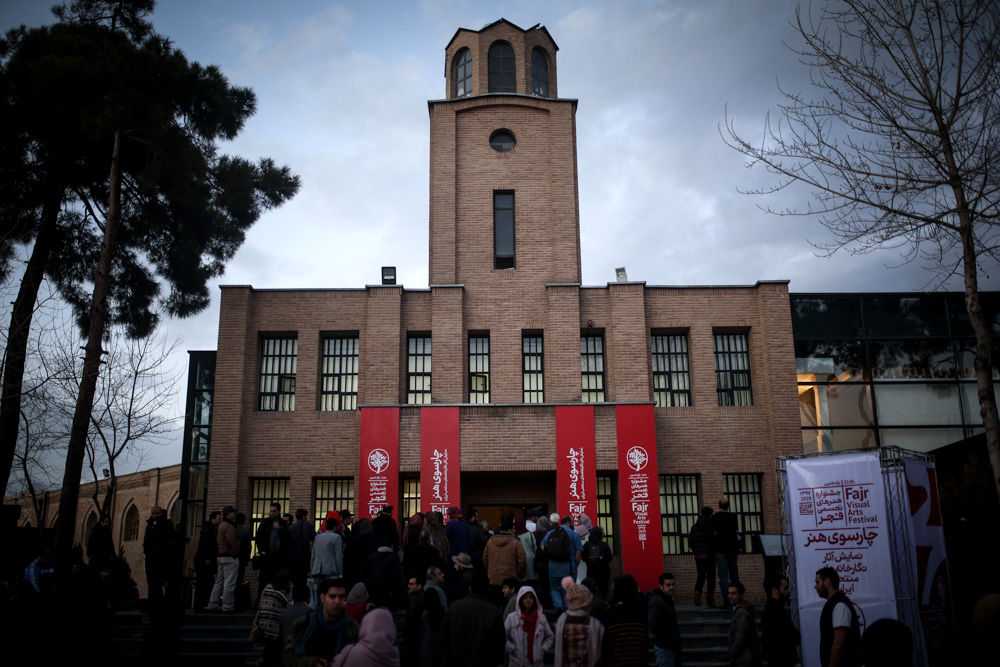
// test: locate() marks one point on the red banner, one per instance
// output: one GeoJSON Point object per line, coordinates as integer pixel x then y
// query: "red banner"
{"type": "Point", "coordinates": [440, 460]}
{"type": "Point", "coordinates": [378, 472]}
{"type": "Point", "coordinates": [639, 494]}
{"type": "Point", "coordinates": [576, 462]}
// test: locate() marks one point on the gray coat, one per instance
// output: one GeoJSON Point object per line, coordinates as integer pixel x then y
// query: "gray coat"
{"type": "Point", "coordinates": [327, 555]}
{"type": "Point", "coordinates": [744, 641]}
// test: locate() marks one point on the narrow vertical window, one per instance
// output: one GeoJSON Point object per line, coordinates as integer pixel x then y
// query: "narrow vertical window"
{"type": "Point", "coordinates": [410, 496]}
{"type": "Point", "coordinates": [732, 369]}
{"type": "Point", "coordinates": [332, 493]}
{"type": "Point", "coordinates": [501, 64]}
{"type": "Point", "coordinates": [503, 230]}
{"type": "Point", "coordinates": [418, 370]}
{"type": "Point", "coordinates": [606, 507]}
{"type": "Point", "coordinates": [532, 367]}
{"type": "Point", "coordinates": [539, 73]}
{"type": "Point", "coordinates": [746, 500]}
{"type": "Point", "coordinates": [671, 375]}
{"type": "Point", "coordinates": [479, 367]}
{"type": "Point", "coordinates": [339, 377]}
{"type": "Point", "coordinates": [592, 368]}
{"type": "Point", "coordinates": [278, 355]}
{"type": "Point", "coordinates": [462, 75]}
{"type": "Point", "coordinates": [678, 511]}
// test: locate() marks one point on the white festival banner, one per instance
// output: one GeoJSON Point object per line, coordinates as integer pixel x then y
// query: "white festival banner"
{"type": "Point", "coordinates": [839, 520]}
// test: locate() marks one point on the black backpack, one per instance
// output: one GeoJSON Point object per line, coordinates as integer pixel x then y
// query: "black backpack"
{"type": "Point", "coordinates": [592, 550]}
{"type": "Point", "coordinates": [558, 548]}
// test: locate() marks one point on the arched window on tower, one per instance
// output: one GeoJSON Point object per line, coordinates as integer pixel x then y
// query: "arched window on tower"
{"type": "Point", "coordinates": [501, 61]}
{"type": "Point", "coordinates": [462, 74]}
{"type": "Point", "coordinates": [539, 72]}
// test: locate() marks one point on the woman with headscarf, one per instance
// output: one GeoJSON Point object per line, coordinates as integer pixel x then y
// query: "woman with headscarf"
{"type": "Point", "coordinates": [529, 636]}
{"type": "Point", "coordinates": [333, 514]}
{"type": "Point", "coordinates": [357, 602]}
{"type": "Point", "coordinates": [626, 634]}
{"type": "Point", "coordinates": [578, 636]}
{"type": "Point", "coordinates": [437, 538]}
{"type": "Point", "coordinates": [583, 527]}
{"type": "Point", "coordinates": [376, 645]}
{"type": "Point", "coordinates": [597, 556]}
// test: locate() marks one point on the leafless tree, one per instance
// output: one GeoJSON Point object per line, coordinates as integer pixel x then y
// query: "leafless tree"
{"type": "Point", "coordinates": [899, 141]}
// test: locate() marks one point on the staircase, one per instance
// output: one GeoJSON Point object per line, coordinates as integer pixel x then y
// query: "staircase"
{"type": "Point", "coordinates": [193, 638]}
{"type": "Point", "coordinates": [704, 635]}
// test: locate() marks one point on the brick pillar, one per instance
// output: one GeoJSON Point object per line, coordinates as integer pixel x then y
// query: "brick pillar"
{"type": "Point", "coordinates": [562, 343]}
{"type": "Point", "coordinates": [447, 343]}
{"type": "Point", "coordinates": [626, 344]}
{"type": "Point", "coordinates": [381, 354]}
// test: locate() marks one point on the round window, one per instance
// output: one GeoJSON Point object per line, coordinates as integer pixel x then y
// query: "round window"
{"type": "Point", "coordinates": [502, 141]}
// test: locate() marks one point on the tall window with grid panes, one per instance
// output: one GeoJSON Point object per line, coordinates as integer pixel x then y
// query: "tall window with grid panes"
{"type": "Point", "coordinates": [479, 367]}
{"type": "Point", "coordinates": [671, 372]}
{"type": "Point", "coordinates": [746, 501]}
{"type": "Point", "coordinates": [532, 367]}
{"type": "Point", "coordinates": [592, 367]}
{"type": "Point", "coordinates": [332, 493]}
{"type": "Point", "coordinates": [418, 369]}
{"type": "Point", "coordinates": [732, 369]}
{"type": "Point", "coordinates": [278, 360]}
{"type": "Point", "coordinates": [339, 373]}
{"type": "Point", "coordinates": [263, 493]}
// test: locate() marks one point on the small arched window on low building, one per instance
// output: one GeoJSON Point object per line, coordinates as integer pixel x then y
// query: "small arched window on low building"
{"type": "Point", "coordinates": [501, 63]}
{"type": "Point", "coordinates": [462, 73]}
{"type": "Point", "coordinates": [130, 527]}
{"type": "Point", "coordinates": [539, 72]}
{"type": "Point", "coordinates": [88, 526]}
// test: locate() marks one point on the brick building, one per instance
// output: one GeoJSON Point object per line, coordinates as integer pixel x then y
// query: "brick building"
{"type": "Point", "coordinates": [506, 335]}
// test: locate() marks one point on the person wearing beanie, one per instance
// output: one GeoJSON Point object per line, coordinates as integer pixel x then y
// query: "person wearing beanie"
{"type": "Point", "coordinates": [578, 637]}
{"type": "Point", "coordinates": [529, 636]}
{"type": "Point", "coordinates": [504, 555]}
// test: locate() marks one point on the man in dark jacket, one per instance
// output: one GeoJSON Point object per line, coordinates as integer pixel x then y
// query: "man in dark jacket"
{"type": "Point", "coordinates": [204, 560]}
{"type": "Point", "coordinates": [381, 574]}
{"type": "Point", "coordinates": [457, 531]}
{"type": "Point", "coordinates": [726, 544]}
{"type": "Point", "coordinates": [663, 623]}
{"type": "Point", "coordinates": [318, 637]}
{"type": "Point", "coordinates": [159, 545]}
{"type": "Point", "coordinates": [302, 533]}
{"type": "Point", "coordinates": [386, 529]}
{"type": "Point", "coordinates": [780, 635]}
{"type": "Point", "coordinates": [700, 541]}
{"type": "Point", "coordinates": [101, 546]}
{"type": "Point", "coordinates": [839, 630]}
{"type": "Point", "coordinates": [744, 641]}
{"type": "Point", "coordinates": [473, 632]}
{"type": "Point", "coordinates": [272, 541]}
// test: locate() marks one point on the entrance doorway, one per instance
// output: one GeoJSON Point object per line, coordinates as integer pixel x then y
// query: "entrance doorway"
{"type": "Point", "coordinates": [493, 513]}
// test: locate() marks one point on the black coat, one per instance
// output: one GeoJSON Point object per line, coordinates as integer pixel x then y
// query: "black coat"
{"type": "Point", "coordinates": [263, 539]}
{"type": "Point", "coordinates": [780, 635]}
{"type": "Point", "coordinates": [100, 546]}
{"type": "Point", "coordinates": [159, 543]}
{"type": "Point", "coordinates": [208, 546]}
{"type": "Point", "coordinates": [700, 537]}
{"type": "Point", "coordinates": [725, 533]}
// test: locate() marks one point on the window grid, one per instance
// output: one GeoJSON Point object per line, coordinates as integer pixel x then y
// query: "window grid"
{"type": "Point", "coordinates": [732, 369]}
{"type": "Point", "coordinates": [678, 511]}
{"type": "Point", "coordinates": [533, 368]}
{"type": "Point", "coordinates": [332, 493]}
{"type": "Point", "coordinates": [131, 531]}
{"type": "Point", "coordinates": [339, 377]}
{"type": "Point", "coordinates": [278, 356]}
{"type": "Point", "coordinates": [411, 497]}
{"type": "Point", "coordinates": [463, 73]}
{"type": "Point", "coordinates": [743, 491]}
{"type": "Point", "coordinates": [605, 507]}
{"type": "Point", "coordinates": [263, 492]}
{"type": "Point", "coordinates": [539, 73]}
{"type": "Point", "coordinates": [418, 370]}
{"type": "Point", "coordinates": [501, 68]}
{"type": "Point", "coordinates": [479, 368]}
{"type": "Point", "coordinates": [592, 368]}
{"type": "Point", "coordinates": [671, 371]}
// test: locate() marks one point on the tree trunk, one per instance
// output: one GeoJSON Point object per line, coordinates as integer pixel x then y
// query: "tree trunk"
{"type": "Point", "coordinates": [76, 448]}
{"type": "Point", "coordinates": [20, 329]}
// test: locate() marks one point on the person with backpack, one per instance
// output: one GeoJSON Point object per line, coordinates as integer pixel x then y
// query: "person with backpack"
{"type": "Point", "coordinates": [597, 556]}
{"type": "Point", "coordinates": [700, 542]}
{"type": "Point", "coordinates": [563, 549]}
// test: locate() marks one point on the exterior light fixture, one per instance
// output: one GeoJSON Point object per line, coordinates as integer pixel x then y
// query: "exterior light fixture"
{"type": "Point", "coordinates": [388, 275]}
{"type": "Point", "coordinates": [620, 274]}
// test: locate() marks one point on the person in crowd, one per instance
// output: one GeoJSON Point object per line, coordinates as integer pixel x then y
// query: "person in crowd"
{"type": "Point", "coordinates": [726, 545]}
{"type": "Point", "coordinates": [839, 630]}
{"type": "Point", "coordinates": [520, 526]}
{"type": "Point", "coordinates": [434, 534]}
{"type": "Point", "coordinates": [457, 531]}
{"type": "Point", "coordinates": [382, 574]}
{"type": "Point", "coordinates": [357, 604]}
{"type": "Point", "coordinates": [578, 636]}
{"type": "Point", "coordinates": [563, 548]}
{"type": "Point", "coordinates": [297, 609]}
{"type": "Point", "coordinates": [413, 624]}
{"type": "Point", "coordinates": [779, 634]}
{"type": "Point", "coordinates": [479, 535]}
{"type": "Point", "coordinates": [626, 632]}
{"type": "Point", "coordinates": [100, 545]}
{"type": "Point", "coordinates": [274, 600]}
{"type": "Point", "coordinates": [597, 556]}
{"type": "Point", "coordinates": [744, 640]}
{"type": "Point", "coordinates": [346, 525]}
{"type": "Point", "coordinates": [663, 622]}
{"type": "Point", "coordinates": [327, 557]}
{"type": "Point", "coordinates": [529, 636]}
{"type": "Point", "coordinates": [527, 539]}
{"type": "Point", "coordinates": [316, 639]}
{"type": "Point", "coordinates": [700, 542]}
{"type": "Point", "coordinates": [364, 543]}
{"type": "Point", "coordinates": [385, 528]}
{"type": "Point", "coordinates": [457, 577]}
{"type": "Point", "coordinates": [503, 557]}
{"type": "Point", "coordinates": [887, 643]}
{"type": "Point", "coordinates": [473, 632]}
{"type": "Point", "coordinates": [228, 567]}
{"type": "Point", "coordinates": [205, 564]}
{"type": "Point", "coordinates": [40, 574]}
{"type": "Point", "coordinates": [435, 606]}
{"type": "Point", "coordinates": [583, 527]}
{"type": "Point", "coordinates": [509, 589]}
{"type": "Point", "coordinates": [246, 546]}
{"type": "Point", "coordinates": [159, 544]}
{"type": "Point", "coordinates": [376, 645]}
{"type": "Point", "coordinates": [272, 544]}
{"type": "Point", "coordinates": [333, 514]}
{"type": "Point", "coordinates": [418, 554]}
{"type": "Point", "coordinates": [542, 527]}
{"type": "Point", "coordinates": [302, 534]}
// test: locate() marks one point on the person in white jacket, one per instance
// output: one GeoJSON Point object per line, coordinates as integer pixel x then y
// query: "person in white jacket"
{"type": "Point", "coordinates": [529, 636]}
{"type": "Point", "coordinates": [327, 557]}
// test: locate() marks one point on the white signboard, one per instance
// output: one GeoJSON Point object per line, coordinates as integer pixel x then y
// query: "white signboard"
{"type": "Point", "coordinates": [838, 514]}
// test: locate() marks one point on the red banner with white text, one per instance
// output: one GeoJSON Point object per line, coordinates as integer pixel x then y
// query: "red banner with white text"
{"type": "Point", "coordinates": [440, 460]}
{"type": "Point", "coordinates": [576, 459]}
{"type": "Point", "coordinates": [378, 472]}
{"type": "Point", "coordinates": [639, 494]}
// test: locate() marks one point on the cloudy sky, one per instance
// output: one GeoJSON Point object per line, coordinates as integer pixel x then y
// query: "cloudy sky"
{"type": "Point", "coordinates": [342, 91]}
